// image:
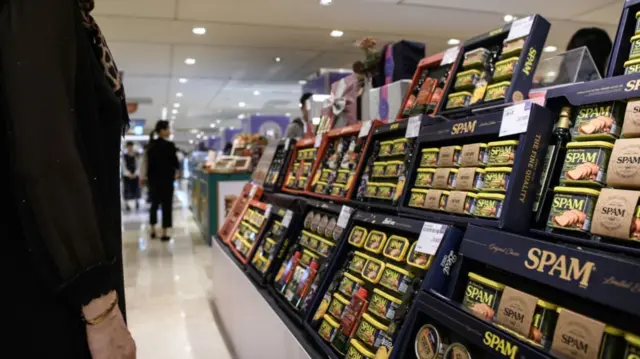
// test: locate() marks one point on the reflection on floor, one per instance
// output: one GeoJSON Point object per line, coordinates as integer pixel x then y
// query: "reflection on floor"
{"type": "Point", "coordinates": [167, 290]}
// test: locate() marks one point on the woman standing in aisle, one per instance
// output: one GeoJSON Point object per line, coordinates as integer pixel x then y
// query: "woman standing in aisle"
{"type": "Point", "coordinates": [62, 112]}
{"type": "Point", "coordinates": [162, 170]}
{"type": "Point", "coordinates": [130, 177]}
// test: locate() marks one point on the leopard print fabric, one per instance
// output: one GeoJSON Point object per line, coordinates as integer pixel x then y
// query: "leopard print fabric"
{"type": "Point", "coordinates": [111, 72]}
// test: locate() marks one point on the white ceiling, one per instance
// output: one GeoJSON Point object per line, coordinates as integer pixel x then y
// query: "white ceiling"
{"type": "Point", "coordinates": [151, 39]}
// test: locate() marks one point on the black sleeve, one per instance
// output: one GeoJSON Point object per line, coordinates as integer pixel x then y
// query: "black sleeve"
{"type": "Point", "coordinates": [37, 78]}
{"type": "Point", "coordinates": [174, 157]}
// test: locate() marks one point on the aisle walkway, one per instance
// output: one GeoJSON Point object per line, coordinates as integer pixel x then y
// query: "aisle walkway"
{"type": "Point", "coordinates": [167, 290]}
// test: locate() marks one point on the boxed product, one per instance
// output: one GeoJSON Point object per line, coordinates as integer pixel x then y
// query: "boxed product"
{"type": "Point", "coordinates": [617, 214]}
{"type": "Point", "coordinates": [385, 102]}
{"type": "Point", "coordinates": [631, 125]}
{"type": "Point", "coordinates": [624, 164]}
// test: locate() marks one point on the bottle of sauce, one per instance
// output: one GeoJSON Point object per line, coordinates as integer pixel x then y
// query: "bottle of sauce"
{"type": "Point", "coordinates": [303, 285]}
{"type": "Point", "coordinates": [551, 169]}
{"type": "Point", "coordinates": [350, 319]}
{"type": "Point", "coordinates": [285, 272]}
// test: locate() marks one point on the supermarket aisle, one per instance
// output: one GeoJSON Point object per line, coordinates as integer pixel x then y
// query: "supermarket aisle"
{"type": "Point", "coordinates": [167, 290]}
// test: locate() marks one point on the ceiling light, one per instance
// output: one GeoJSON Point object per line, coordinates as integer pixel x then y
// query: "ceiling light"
{"type": "Point", "coordinates": [288, 114]}
{"type": "Point", "coordinates": [241, 116]}
{"type": "Point", "coordinates": [183, 80]}
{"type": "Point", "coordinates": [550, 48]}
{"type": "Point", "coordinates": [179, 94]}
{"type": "Point", "coordinates": [199, 135]}
{"type": "Point", "coordinates": [164, 113]}
{"type": "Point", "coordinates": [191, 142]}
{"type": "Point", "coordinates": [218, 121]}
{"type": "Point", "coordinates": [302, 82]}
{"type": "Point", "coordinates": [199, 30]}
{"type": "Point", "coordinates": [231, 128]}
{"type": "Point", "coordinates": [336, 33]}
{"type": "Point", "coordinates": [205, 138]}
{"type": "Point", "coordinates": [194, 131]}
{"type": "Point", "coordinates": [509, 18]}
{"type": "Point", "coordinates": [174, 111]}
{"type": "Point", "coordinates": [325, 2]}
{"type": "Point", "coordinates": [256, 93]}
{"type": "Point", "coordinates": [190, 61]}
{"type": "Point", "coordinates": [213, 125]}
{"type": "Point", "coordinates": [176, 105]}
{"type": "Point", "coordinates": [453, 42]}
{"type": "Point", "coordinates": [242, 104]}
{"type": "Point", "coordinates": [277, 59]}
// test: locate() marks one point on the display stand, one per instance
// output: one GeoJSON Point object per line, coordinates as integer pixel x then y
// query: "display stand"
{"type": "Point", "coordinates": [302, 164]}
{"type": "Point", "coordinates": [250, 230]}
{"type": "Point", "coordinates": [521, 191]}
{"type": "Point", "coordinates": [246, 311]}
{"type": "Point", "coordinates": [249, 193]}
{"type": "Point", "coordinates": [209, 191]}
{"type": "Point", "coordinates": [275, 170]}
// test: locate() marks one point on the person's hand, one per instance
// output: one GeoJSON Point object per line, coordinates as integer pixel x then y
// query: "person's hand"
{"type": "Point", "coordinates": [109, 338]}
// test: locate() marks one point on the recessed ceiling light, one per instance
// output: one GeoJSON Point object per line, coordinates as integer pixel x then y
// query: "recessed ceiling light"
{"type": "Point", "coordinates": [174, 111]}
{"type": "Point", "coordinates": [179, 94]}
{"type": "Point", "coordinates": [241, 116]}
{"type": "Point", "coordinates": [191, 142]}
{"type": "Point", "coordinates": [218, 121]}
{"type": "Point", "coordinates": [190, 61]}
{"type": "Point", "coordinates": [256, 93]}
{"type": "Point", "coordinates": [302, 82]}
{"type": "Point", "coordinates": [336, 33]}
{"type": "Point", "coordinates": [288, 114]}
{"type": "Point", "coordinates": [199, 135]}
{"type": "Point", "coordinates": [550, 48]}
{"type": "Point", "coordinates": [164, 113]}
{"type": "Point", "coordinates": [213, 125]}
{"type": "Point", "coordinates": [325, 2]}
{"type": "Point", "coordinates": [199, 30]}
{"type": "Point", "coordinates": [453, 42]}
{"type": "Point", "coordinates": [183, 80]}
{"type": "Point", "coordinates": [509, 18]}
{"type": "Point", "coordinates": [277, 59]}
{"type": "Point", "coordinates": [241, 104]}
{"type": "Point", "coordinates": [194, 131]}
{"type": "Point", "coordinates": [231, 128]}
{"type": "Point", "coordinates": [176, 105]}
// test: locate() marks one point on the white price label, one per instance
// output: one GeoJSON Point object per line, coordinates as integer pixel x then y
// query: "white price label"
{"type": "Point", "coordinates": [413, 127]}
{"type": "Point", "coordinates": [267, 212]}
{"type": "Point", "coordinates": [450, 55]}
{"type": "Point", "coordinates": [515, 119]}
{"type": "Point", "coordinates": [345, 214]}
{"type": "Point", "coordinates": [318, 141]}
{"type": "Point", "coordinates": [287, 142]}
{"type": "Point", "coordinates": [365, 129]}
{"type": "Point", "coordinates": [253, 191]}
{"type": "Point", "coordinates": [286, 220]}
{"type": "Point", "coordinates": [520, 28]}
{"type": "Point", "coordinates": [430, 238]}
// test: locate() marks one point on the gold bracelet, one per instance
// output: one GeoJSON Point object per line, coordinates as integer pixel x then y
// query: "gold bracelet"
{"type": "Point", "coordinates": [101, 318]}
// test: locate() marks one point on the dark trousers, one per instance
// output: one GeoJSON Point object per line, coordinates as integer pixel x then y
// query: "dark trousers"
{"type": "Point", "coordinates": [161, 196]}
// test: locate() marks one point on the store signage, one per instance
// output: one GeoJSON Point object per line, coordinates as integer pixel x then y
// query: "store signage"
{"type": "Point", "coordinates": [318, 141]}
{"type": "Point", "coordinates": [500, 345]}
{"type": "Point", "coordinates": [520, 28]}
{"type": "Point", "coordinates": [515, 119]}
{"type": "Point", "coordinates": [345, 214]}
{"type": "Point", "coordinates": [267, 212]}
{"type": "Point", "coordinates": [286, 220]}
{"type": "Point", "coordinates": [365, 129]}
{"type": "Point", "coordinates": [430, 238]}
{"type": "Point", "coordinates": [450, 56]}
{"type": "Point", "coordinates": [561, 266]}
{"type": "Point", "coordinates": [413, 127]}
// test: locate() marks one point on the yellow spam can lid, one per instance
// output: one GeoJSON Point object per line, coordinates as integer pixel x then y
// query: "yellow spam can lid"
{"type": "Point", "coordinates": [360, 348]}
{"type": "Point", "coordinates": [577, 190]}
{"type": "Point", "coordinates": [340, 298]}
{"type": "Point", "coordinates": [503, 143]}
{"type": "Point", "coordinates": [590, 144]}
{"type": "Point", "coordinates": [430, 150]}
{"type": "Point", "coordinates": [400, 140]}
{"type": "Point", "coordinates": [353, 278]}
{"type": "Point", "coordinates": [546, 305]}
{"type": "Point", "coordinates": [425, 170]}
{"type": "Point", "coordinates": [399, 270]}
{"type": "Point", "coordinates": [454, 147]}
{"type": "Point", "coordinates": [498, 169]}
{"type": "Point", "coordinates": [419, 190]}
{"type": "Point", "coordinates": [374, 322]}
{"type": "Point", "coordinates": [633, 339]}
{"type": "Point", "coordinates": [499, 84]}
{"type": "Point", "coordinates": [469, 72]}
{"type": "Point", "coordinates": [390, 142]}
{"type": "Point", "coordinates": [497, 196]}
{"type": "Point", "coordinates": [634, 38]}
{"type": "Point", "coordinates": [506, 61]}
{"type": "Point", "coordinates": [387, 296]}
{"type": "Point", "coordinates": [486, 281]}
{"type": "Point", "coordinates": [386, 184]}
{"type": "Point", "coordinates": [327, 318]}
{"type": "Point", "coordinates": [459, 94]}
{"type": "Point", "coordinates": [373, 184]}
{"type": "Point", "coordinates": [394, 163]}
{"type": "Point", "coordinates": [632, 62]}
{"type": "Point", "coordinates": [470, 194]}
{"type": "Point", "coordinates": [613, 331]}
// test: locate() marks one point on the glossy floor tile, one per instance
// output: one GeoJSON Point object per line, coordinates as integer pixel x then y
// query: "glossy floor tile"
{"type": "Point", "coordinates": [168, 290]}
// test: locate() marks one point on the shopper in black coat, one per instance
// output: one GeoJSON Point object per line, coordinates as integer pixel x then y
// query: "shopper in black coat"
{"type": "Point", "coordinates": [162, 171]}
{"type": "Point", "coordinates": [62, 112]}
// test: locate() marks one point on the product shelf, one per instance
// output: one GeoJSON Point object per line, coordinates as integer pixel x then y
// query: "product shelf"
{"type": "Point", "coordinates": [258, 209]}
{"type": "Point", "coordinates": [483, 339]}
{"type": "Point", "coordinates": [276, 172]}
{"type": "Point", "coordinates": [526, 169]}
{"type": "Point", "coordinates": [249, 193]}
{"type": "Point", "coordinates": [622, 44]}
{"type": "Point", "coordinates": [298, 160]}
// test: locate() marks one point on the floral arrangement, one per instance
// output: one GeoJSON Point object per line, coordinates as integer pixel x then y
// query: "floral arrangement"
{"type": "Point", "coordinates": [368, 67]}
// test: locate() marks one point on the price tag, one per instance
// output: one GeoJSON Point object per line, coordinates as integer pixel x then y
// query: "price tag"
{"type": "Point", "coordinates": [515, 119]}
{"type": "Point", "coordinates": [430, 238]}
{"type": "Point", "coordinates": [365, 129]}
{"type": "Point", "coordinates": [318, 141]}
{"type": "Point", "coordinates": [286, 220]}
{"type": "Point", "coordinates": [520, 28]}
{"type": "Point", "coordinates": [450, 55]}
{"type": "Point", "coordinates": [287, 142]}
{"type": "Point", "coordinates": [267, 212]}
{"type": "Point", "coordinates": [345, 214]}
{"type": "Point", "coordinates": [413, 127]}
{"type": "Point", "coordinates": [253, 191]}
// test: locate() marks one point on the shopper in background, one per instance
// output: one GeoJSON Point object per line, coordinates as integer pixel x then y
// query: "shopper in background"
{"type": "Point", "coordinates": [130, 177]}
{"type": "Point", "coordinates": [301, 127]}
{"type": "Point", "coordinates": [162, 171]}
{"type": "Point", "coordinates": [63, 112]}
{"type": "Point", "coordinates": [597, 41]}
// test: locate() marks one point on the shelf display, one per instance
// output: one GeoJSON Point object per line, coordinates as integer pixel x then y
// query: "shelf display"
{"type": "Point", "coordinates": [274, 171]}
{"type": "Point", "coordinates": [491, 165]}
{"type": "Point", "coordinates": [381, 268]}
{"type": "Point", "coordinates": [249, 193]}
{"type": "Point", "coordinates": [302, 165]}
{"type": "Point", "coordinates": [428, 85]}
{"type": "Point", "coordinates": [495, 68]}
{"type": "Point", "coordinates": [339, 164]}
{"type": "Point", "coordinates": [250, 229]}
